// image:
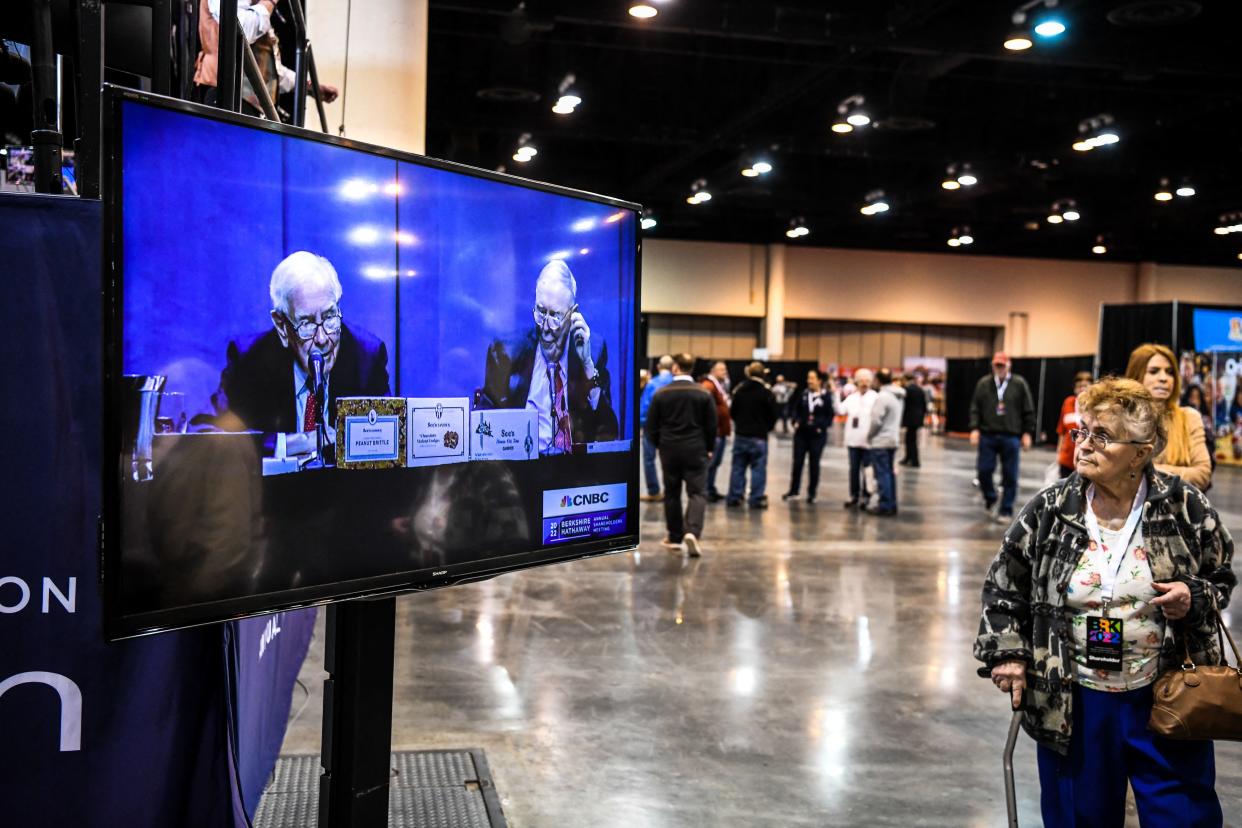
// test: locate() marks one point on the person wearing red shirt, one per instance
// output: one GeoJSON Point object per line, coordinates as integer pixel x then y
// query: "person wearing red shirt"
{"type": "Point", "coordinates": [1070, 419]}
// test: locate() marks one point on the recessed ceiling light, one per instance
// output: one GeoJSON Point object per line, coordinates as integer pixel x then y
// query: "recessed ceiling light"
{"type": "Point", "coordinates": [648, 223]}
{"type": "Point", "coordinates": [1072, 215]}
{"type": "Point", "coordinates": [1018, 43]}
{"type": "Point", "coordinates": [1185, 191]}
{"type": "Point", "coordinates": [858, 119]}
{"type": "Point", "coordinates": [1164, 195]}
{"type": "Point", "coordinates": [643, 11]}
{"type": "Point", "coordinates": [1221, 231]}
{"type": "Point", "coordinates": [762, 167]}
{"type": "Point", "coordinates": [1050, 28]}
{"type": "Point", "coordinates": [967, 239]}
{"type": "Point", "coordinates": [950, 184]}
{"type": "Point", "coordinates": [1099, 250]}
{"type": "Point", "coordinates": [1083, 146]}
{"type": "Point", "coordinates": [1055, 219]}
{"type": "Point", "coordinates": [750, 172]}
{"type": "Point", "coordinates": [967, 180]}
{"type": "Point", "coordinates": [955, 242]}
{"type": "Point", "coordinates": [841, 128]}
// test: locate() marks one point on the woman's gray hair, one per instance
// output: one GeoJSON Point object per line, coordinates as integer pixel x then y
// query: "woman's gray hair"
{"type": "Point", "coordinates": [298, 269]}
{"type": "Point", "coordinates": [1127, 400]}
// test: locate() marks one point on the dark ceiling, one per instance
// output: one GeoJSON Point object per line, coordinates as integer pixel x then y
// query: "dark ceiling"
{"type": "Point", "coordinates": [706, 87]}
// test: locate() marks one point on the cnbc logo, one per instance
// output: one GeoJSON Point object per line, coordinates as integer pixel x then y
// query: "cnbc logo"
{"type": "Point", "coordinates": [592, 499]}
{"type": "Point", "coordinates": [584, 499]}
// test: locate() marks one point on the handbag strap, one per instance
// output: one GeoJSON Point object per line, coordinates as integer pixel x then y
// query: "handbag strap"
{"type": "Point", "coordinates": [1222, 633]}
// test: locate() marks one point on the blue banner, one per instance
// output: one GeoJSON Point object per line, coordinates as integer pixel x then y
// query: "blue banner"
{"type": "Point", "coordinates": [1217, 330]}
{"type": "Point", "coordinates": [131, 734]}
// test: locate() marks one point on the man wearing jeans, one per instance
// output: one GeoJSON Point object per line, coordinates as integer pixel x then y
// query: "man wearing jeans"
{"type": "Point", "coordinates": [856, 408]}
{"type": "Point", "coordinates": [754, 417]}
{"type": "Point", "coordinates": [1002, 420]}
{"type": "Point", "coordinates": [650, 475]}
{"type": "Point", "coordinates": [882, 436]}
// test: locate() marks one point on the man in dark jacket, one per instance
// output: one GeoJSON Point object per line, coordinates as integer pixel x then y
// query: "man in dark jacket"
{"type": "Point", "coordinates": [1002, 420]}
{"type": "Point", "coordinates": [754, 417]}
{"type": "Point", "coordinates": [812, 417]}
{"type": "Point", "coordinates": [913, 416]}
{"type": "Point", "coordinates": [681, 422]}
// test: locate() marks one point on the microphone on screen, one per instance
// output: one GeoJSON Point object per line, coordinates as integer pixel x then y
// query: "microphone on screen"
{"type": "Point", "coordinates": [316, 365]}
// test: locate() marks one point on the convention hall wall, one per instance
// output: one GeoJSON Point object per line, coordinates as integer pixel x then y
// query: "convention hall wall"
{"type": "Point", "coordinates": [1060, 299]}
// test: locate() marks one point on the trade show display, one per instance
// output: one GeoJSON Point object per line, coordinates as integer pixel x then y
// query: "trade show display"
{"type": "Point", "coordinates": [1208, 340]}
{"type": "Point", "coordinates": [334, 370]}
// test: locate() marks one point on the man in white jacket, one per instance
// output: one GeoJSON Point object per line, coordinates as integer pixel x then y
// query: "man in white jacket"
{"type": "Point", "coordinates": [856, 408]}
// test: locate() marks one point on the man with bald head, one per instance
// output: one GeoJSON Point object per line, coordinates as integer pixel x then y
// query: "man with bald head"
{"type": "Point", "coordinates": [266, 381]}
{"type": "Point", "coordinates": [554, 370]}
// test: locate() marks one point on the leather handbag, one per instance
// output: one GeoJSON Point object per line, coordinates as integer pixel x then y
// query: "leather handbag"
{"type": "Point", "coordinates": [1199, 701]}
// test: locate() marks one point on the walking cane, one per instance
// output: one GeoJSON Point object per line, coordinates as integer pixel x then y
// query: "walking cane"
{"type": "Point", "coordinates": [1011, 798]}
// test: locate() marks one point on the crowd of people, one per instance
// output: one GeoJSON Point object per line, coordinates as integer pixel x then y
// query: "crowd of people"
{"type": "Point", "coordinates": [687, 424]}
{"type": "Point", "coordinates": [1122, 538]}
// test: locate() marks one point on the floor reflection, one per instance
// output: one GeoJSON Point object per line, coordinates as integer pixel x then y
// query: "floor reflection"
{"type": "Point", "coordinates": [813, 668]}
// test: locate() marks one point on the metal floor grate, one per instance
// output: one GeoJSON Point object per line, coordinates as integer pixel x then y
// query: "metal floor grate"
{"type": "Point", "coordinates": [430, 789]}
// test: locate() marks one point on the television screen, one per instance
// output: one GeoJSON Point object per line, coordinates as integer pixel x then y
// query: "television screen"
{"type": "Point", "coordinates": [336, 370]}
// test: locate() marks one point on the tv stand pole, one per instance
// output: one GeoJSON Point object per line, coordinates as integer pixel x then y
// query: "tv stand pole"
{"type": "Point", "coordinates": [357, 714]}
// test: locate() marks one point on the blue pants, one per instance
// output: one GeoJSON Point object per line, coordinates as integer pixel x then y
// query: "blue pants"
{"type": "Point", "coordinates": [714, 465]}
{"type": "Point", "coordinates": [885, 481]}
{"type": "Point", "coordinates": [859, 457]}
{"type": "Point", "coordinates": [752, 453]}
{"type": "Point", "coordinates": [649, 466]}
{"type": "Point", "coordinates": [1173, 781]}
{"type": "Point", "coordinates": [1009, 447]}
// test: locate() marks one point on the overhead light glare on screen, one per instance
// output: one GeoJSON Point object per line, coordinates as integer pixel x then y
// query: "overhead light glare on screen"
{"type": "Point", "coordinates": [357, 189]}
{"type": "Point", "coordinates": [405, 237]}
{"type": "Point", "coordinates": [393, 188]}
{"type": "Point", "coordinates": [584, 251]}
{"type": "Point", "coordinates": [364, 234]}
{"type": "Point", "coordinates": [583, 225]}
{"type": "Point", "coordinates": [615, 217]}
{"type": "Point", "coordinates": [560, 255]}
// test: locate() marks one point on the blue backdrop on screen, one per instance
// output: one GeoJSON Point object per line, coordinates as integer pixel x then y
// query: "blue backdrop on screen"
{"type": "Point", "coordinates": [435, 263]}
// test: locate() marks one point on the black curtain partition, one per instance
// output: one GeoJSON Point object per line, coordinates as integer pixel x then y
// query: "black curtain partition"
{"type": "Point", "coordinates": [1123, 327]}
{"type": "Point", "coordinates": [1051, 380]}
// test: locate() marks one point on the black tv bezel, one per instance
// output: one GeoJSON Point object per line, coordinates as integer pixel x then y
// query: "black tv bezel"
{"type": "Point", "coordinates": [119, 626]}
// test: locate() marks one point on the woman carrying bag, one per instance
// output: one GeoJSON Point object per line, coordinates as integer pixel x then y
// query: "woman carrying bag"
{"type": "Point", "coordinates": [1107, 579]}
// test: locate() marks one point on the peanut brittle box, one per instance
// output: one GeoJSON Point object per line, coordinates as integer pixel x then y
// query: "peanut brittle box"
{"type": "Point", "coordinates": [370, 432]}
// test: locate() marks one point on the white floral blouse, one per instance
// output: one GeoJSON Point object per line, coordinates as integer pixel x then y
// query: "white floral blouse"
{"type": "Point", "coordinates": [1142, 624]}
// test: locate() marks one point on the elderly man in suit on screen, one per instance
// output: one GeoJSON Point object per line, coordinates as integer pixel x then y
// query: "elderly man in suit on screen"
{"type": "Point", "coordinates": [267, 380]}
{"type": "Point", "coordinates": [554, 370]}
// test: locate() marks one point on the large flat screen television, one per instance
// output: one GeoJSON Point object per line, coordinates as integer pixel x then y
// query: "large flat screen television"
{"type": "Point", "coordinates": [336, 370]}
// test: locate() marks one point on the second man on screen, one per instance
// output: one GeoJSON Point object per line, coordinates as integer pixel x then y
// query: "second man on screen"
{"type": "Point", "coordinates": [812, 411]}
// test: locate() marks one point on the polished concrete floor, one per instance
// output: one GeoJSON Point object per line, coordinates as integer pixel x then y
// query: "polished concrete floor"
{"type": "Point", "coordinates": [812, 668]}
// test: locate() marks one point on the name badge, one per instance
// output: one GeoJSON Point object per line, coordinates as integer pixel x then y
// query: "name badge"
{"type": "Point", "coordinates": [1104, 643]}
{"type": "Point", "coordinates": [854, 423]}
{"type": "Point", "coordinates": [1000, 409]}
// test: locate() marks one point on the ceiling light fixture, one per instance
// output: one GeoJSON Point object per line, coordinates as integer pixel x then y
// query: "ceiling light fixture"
{"type": "Point", "coordinates": [1100, 248]}
{"type": "Point", "coordinates": [648, 221]}
{"type": "Point", "coordinates": [850, 114]}
{"type": "Point", "coordinates": [1163, 193]}
{"type": "Point", "coordinates": [1047, 25]}
{"type": "Point", "coordinates": [1185, 190]}
{"type": "Point", "coordinates": [757, 169]}
{"type": "Point", "coordinates": [643, 11]}
{"type": "Point", "coordinates": [1096, 131]}
{"type": "Point", "coordinates": [960, 237]}
{"type": "Point", "coordinates": [525, 149]}
{"type": "Point", "coordinates": [1065, 209]}
{"type": "Point", "coordinates": [875, 202]}
{"type": "Point", "coordinates": [958, 176]}
{"type": "Point", "coordinates": [797, 228]}
{"type": "Point", "coordinates": [569, 99]}
{"type": "Point", "coordinates": [699, 193]}
{"type": "Point", "coordinates": [1229, 223]}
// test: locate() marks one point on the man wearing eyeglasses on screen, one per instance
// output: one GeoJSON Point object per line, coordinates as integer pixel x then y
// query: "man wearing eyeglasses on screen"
{"type": "Point", "coordinates": [554, 370]}
{"type": "Point", "coordinates": [266, 383]}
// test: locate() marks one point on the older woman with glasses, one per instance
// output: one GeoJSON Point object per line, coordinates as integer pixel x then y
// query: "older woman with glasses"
{"type": "Point", "coordinates": [1096, 586]}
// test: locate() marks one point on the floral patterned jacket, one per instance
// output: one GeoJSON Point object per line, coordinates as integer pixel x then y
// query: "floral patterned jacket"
{"type": "Point", "coordinates": [1024, 592]}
